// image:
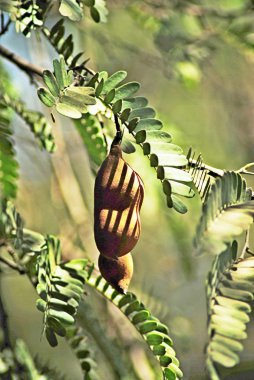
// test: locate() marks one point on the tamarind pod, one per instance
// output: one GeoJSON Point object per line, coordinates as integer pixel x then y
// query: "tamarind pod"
{"type": "Point", "coordinates": [118, 197]}
{"type": "Point", "coordinates": [117, 272]}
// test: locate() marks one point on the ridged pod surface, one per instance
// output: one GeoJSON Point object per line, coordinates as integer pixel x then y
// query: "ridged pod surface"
{"type": "Point", "coordinates": [118, 197]}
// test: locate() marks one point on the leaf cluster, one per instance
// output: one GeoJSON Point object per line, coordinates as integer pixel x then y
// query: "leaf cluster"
{"type": "Point", "coordinates": [61, 92]}
{"type": "Point", "coordinates": [229, 296]}
{"type": "Point", "coordinates": [8, 163]}
{"type": "Point", "coordinates": [227, 211]}
{"type": "Point", "coordinates": [36, 121]}
{"type": "Point", "coordinates": [155, 333]}
{"type": "Point", "coordinates": [60, 287]}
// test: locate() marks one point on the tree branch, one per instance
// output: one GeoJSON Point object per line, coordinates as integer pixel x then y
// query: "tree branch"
{"type": "Point", "coordinates": [29, 68]}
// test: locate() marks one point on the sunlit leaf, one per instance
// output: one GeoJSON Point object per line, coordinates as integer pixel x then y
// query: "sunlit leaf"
{"type": "Point", "coordinates": [68, 110]}
{"type": "Point", "coordinates": [71, 9]}
{"type": "Point", "coordinates": [46, 97]}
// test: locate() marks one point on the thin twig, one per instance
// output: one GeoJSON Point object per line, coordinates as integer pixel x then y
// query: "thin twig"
{"type": "Point", "coordinates": [29, 68]}
{"type": "Point", "coordinates": [4, 28]}
{"type": "Point", "coordinates": [246, 244]}
{"type": "Point", "coordinates": [4, 324]}
{"type": "Point", "coordinates": [214, 172]}
{"type": "Point", "coordinates": [243, 170]}
{"type": "Point", "coordinates": [12, 265]}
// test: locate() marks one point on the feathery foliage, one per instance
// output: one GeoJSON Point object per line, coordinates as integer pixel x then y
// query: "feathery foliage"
{"type": "Point", "coordinates": [90, 131]}
{"type": "Point", "coordinates": [61, 92]}
{"type": "Point", "coordinates": [201, 177]}
{"type": "Point", "coordinates": [36, 121]}
{"type": "Point", "coordinates": [17, 363]}
{"type": "Point", "coordinates": [227, 211]}
{"type": "Point", "coordinates": [109, 94]}
{"type": "Point", "coordinates": [229, 295]}
{"type": "Point", "coordinates": [77, 92]}
{"type": "Point", "coordinates": [82, 349]}
{"type": "Point", "coordinates": [60, 287]}
{"type": "Point", "coordinates": [63, 46]}
{"type": "Point", "coordinates": [28, 15]}
{"type": "Point", "coordinates": [23, 243]}
{"type": "Point", "coordinates": [8, 163]}
{"type": "Point", "coordinates": [73, 9]}
{"type": "Point", "coordinates": [133, 112]}
{"type": "Point", "coordinates": [151, 329]}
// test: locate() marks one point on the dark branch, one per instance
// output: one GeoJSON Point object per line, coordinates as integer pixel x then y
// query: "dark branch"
{"type": "Point", "coordinates": [24, 65]}
{"type": "Point", "coordinates": [4, 27]}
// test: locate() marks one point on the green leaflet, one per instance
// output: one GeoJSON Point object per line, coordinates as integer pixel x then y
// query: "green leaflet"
{"type": "Point", "coordinates": [95, 14]}
{"type": "Point", "coordinates": [226, 213]}
{"type": "Point", "coordinates": [154, 332]}
{"type": "Point", "coordinates": [99, 88]}
{"type": "Point", "coordinates": [135, 103]}
{"type": "Point", "coordinates": [58, 73]}
{"type": "Point", "coordinates": [126, 90]}
{"type": "Point", "coordinates": [113, 81]}
{"type": "Point", "coordinates": [101, 8]}
{"type": "Point", "coordinates": [68, 110]}
{"type": "Point", "coordinates": [51, 83]}
{"type": "Point", "coordinates": [167, 172]}
{"type": "Point", "coordinates": [142, 113]}
{"type": "Point", "coordinates": [177, 204]}
{"type": "Point", "coordinates": [117, 106]}
{"type": "Point", "coordinates": [110, 96]}
{"type": "Point", "coordinates": [161, 147]}
{"type": "Point", "coordinates": [127, 146]}
{"type": "Point", "coordinates": [46, 97]}
{"type": "Point", "coordinates": [167, 159]}
{"type": "Point", "coordinates": [71, 9]}
{"type": "Point", "coordinates": [147, 124]}
{"type": "Point", "coordinates": [152, 136]}
{"type": "Point", "coordinates": [173, 187]}
{"type": "Point", "coordinates": [125, 115]}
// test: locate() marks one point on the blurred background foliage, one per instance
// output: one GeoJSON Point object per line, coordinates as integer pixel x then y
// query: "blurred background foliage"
{"type": "Point", "coordinates": [194, 61]}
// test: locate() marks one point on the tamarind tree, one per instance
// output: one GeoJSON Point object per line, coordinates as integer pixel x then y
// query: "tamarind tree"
{"type": "Point", "coordinates": [56, 102]}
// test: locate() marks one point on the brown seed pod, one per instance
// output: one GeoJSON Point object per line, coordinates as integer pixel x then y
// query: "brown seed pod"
{"type": "Point", "coordinates": [118, 196]}
{"type": "Point", "coordinates": [118, 272]}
